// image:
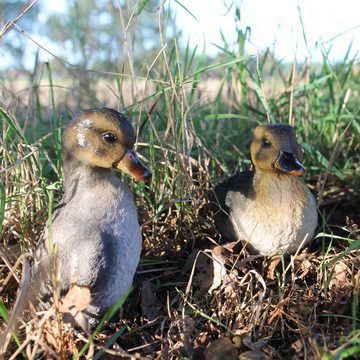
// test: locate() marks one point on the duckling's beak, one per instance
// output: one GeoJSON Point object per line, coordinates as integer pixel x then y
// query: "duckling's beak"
{"type": "Point", "coordinates": [130, 164]}
{"type": "Point", "coordinates": [288, 163]}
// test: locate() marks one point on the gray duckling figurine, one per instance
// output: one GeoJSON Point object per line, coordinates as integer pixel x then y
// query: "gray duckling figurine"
{"type": "Point", "coordinates": [94, 232]}
{"type": "Point", "coordinates": [270, 208]}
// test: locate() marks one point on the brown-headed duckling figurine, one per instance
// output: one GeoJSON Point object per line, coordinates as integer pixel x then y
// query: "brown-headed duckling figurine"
{"type": "Point", "coordinates": [94, 233]}
{"type": "Point", "coordinates": [269, 208]}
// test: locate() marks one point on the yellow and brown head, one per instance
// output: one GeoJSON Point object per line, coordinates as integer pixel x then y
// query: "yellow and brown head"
{"type": "Point", "coordinates": [274, 148]}
{"type": "Point", "coordinates": [104, 138]}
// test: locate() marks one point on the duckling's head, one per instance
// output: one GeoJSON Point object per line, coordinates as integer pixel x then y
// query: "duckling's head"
{"type": "Point", "coordinates": [103, 138]}
{"type": "Point", "coordinates": [274, 148]}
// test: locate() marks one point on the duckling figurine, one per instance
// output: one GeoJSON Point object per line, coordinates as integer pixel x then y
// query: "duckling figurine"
{"type": "Point", "coordinates": [94, 233]}
{"type": "Point", "coordinates": [270, 208]}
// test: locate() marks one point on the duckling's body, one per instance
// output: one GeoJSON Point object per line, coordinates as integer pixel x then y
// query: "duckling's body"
{"type": "Point", "coordinates": [269, 208]}
{"type": "Point", "coordinates": [97, 238]}
{"type": "Point", "coordinates": [95, 229]}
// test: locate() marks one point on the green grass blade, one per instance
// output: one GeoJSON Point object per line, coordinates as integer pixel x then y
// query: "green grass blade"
{"type": "Point", "coordinates": [13, 126]}
{"type": "Point", "coordinates": [219, 66]}
{"type": "Point", "coordinates": [187, 10]}
{"type": "Point", "coordinates": [108, 315]}
{"type": "Point", "coordinates": [5, 315]}
{"type": "Point", "coordinates": [2, 204]}
{"type": "Point", "coordinates": [111, 341]}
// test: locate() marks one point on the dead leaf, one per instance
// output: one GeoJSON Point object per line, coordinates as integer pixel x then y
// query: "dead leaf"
{"type": "Point", "coordinates": [221, 349]}
{"type": "Point", "coordinates": [297, 345]}
{"type": "Point", "coordinates": [273, 263]}
{"type": "Point", "coordinates": [357, 281]}
{"type": "Point", "coordinates": [237, 341]}
{"type": "Point", "coordinates": [219, 270]}
{"type": "Point", "coordinates": [230, 285]}
{"type": "Point", "coordinates": [305, 268]}
{"type": "Point", "coordinates": [254, 345]}
{"type": "Point", "coordinates": [302, 265]}
{"type": "Point", "coordinates": [339, 276]}
{"type": "Point", "coordinates": [76, 300]}
{"type": "Point", "coordinates": [150, 305]}
{"type": "Point", "coordinates": [190, 261]}
{"type": "Point", "coordinates": [203, 277]}
{"type": "Point", "coordinates": [233, 246]}
{"type": "Point", "coordinates": [77, 296]}
{"type": "Point", "coordinates": [209, 269]}
{"type": "Point", "coordinates": [278, 310]}
{"type": "Point", "coordinates": [253, 355]}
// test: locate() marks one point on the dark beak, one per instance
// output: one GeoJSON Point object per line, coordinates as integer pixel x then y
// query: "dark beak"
{"type": "Point", "coordinates": [288, 163]}
{"type": "Point", "coordinates": [131, 165]}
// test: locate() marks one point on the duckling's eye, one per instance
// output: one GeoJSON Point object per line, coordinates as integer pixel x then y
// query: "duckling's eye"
{"type": "Point", "coordinates": [109, 137]}
{"type": "Point", "coordinates": [266, 143]}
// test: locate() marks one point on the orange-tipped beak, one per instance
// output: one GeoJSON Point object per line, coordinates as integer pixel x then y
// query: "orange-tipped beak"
{"type": "Point", "coordinates": [288, 163]}
{"type": "Point", "coordinates": [131, 165]}
{"type": "Point", "coordinates": [296, 172]}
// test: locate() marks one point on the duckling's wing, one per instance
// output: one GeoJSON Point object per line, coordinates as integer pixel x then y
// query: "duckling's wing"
{"type": "Point", "coordinates": [241, 183]}
{"type": "Point", "coordinates": [76, 247]}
